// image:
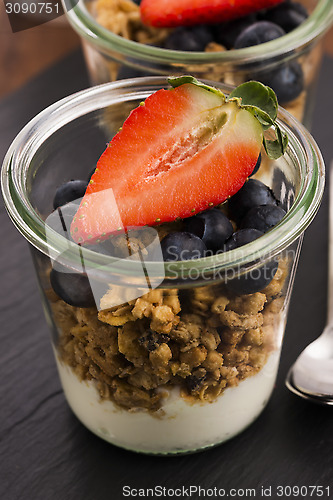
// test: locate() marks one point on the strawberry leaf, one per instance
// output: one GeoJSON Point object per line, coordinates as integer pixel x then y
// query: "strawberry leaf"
{"type": "Point", "coordinates": [274, 148]}
{"type": "Point", "coordinates": [257, 95]}
{"type": "Point", "coordinates": [261, 101]}
{"type": "Point", "coordinates": [176, 81]}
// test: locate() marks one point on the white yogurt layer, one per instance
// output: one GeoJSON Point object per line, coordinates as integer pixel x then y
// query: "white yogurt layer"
{"type": "Point", "coordinates": [184, 427]}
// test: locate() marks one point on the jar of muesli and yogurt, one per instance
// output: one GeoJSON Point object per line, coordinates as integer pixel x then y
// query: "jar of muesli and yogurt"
{"type": "Point", "coordinates": [184, 360]}
{"type": "Point", "coordinates": [118, 45]}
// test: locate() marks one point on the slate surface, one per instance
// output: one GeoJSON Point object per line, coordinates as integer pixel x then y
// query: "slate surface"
{"type": "Point", "coordinates": [46, 454]}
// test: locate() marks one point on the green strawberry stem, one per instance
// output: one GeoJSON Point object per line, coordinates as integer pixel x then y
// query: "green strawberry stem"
{"type": "Point", "coordinates": [256, 98]}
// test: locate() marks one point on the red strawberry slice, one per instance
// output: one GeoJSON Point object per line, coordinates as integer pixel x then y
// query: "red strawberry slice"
{"type": "Point", "coordinates": [171, 13]}
{"type": "Point", "coordinates": [183, 150]}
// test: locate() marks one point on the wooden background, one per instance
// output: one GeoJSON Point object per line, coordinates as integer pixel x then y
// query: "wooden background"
{"type": "Point", "coordinates": [24, 54]}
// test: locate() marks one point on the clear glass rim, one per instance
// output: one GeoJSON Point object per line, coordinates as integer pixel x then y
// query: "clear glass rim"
{"type": "Point", "coordinates": [311, 29]}
{"type": "Point", "coordinates": [32, 227]}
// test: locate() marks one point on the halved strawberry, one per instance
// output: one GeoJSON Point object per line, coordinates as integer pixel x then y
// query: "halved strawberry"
{"type": "Point", "coordinates": [171, 13]}
{"type": "Point", "coordinates": [183, 150]}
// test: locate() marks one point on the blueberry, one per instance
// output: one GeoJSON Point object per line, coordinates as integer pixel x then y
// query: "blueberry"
{"type": "Point", "coordinates": [69, 191]}
{"type": "Point", "coordinates": [227, 33]}
{"type": "Point", "coordinates": [253, 193]}
{"type": "Point", "coordinates": [60, 220]}
{"type": "Point", "coordinates": [287, 15]}
{"type": "Point", "coordinates": [258, 278]}
{"type": "Point", "coordinates": [263, 217]}
{"type": "Point", "coordinates": [212, 227]}
{"type": "Point", "coordinates": [189, 38]}
{"type": "Point", "coordinates": [257, 166]}
{"type": "Point", "coordinates": [182, 246]}
{"type": "Point", "coordinates": [241, 238]}
{"type": "Point", "coordinates": [71, 287]}
{"type": "Point", "coordinates": [257, 33]}
{"type": "Point", "coordinates": [287, 81]}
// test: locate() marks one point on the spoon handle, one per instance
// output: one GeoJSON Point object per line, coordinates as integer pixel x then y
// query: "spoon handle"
{"type": "Point", "coordinates": [330, 251]}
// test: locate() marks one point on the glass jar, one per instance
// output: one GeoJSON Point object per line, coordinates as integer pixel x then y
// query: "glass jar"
{"type": "Point", "coordinates": [294, 57]}
{"type": "Point", "coordinates": [187, 359]}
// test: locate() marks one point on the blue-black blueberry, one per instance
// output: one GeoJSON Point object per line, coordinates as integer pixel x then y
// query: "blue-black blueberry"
{"type": "Point", "coordinates": [242, 237]}
{"type": "Point", "coordinates": [69, 191]}
{"type": "Point", "coordinates": [263, 217]}
{"type": "Point", "coordinates": [253, 193]}
{"type": "Point", "coordinates": [256, 279]}
{"type": "Point", "coordinates": [258, 33]}
{"type": "Point", "coordinates": [226, 33]}
{"type": "Point", "coordinates": [189, 38]}
{"type": "Point", "coordinates": [287, 81]}
{"type": "Point", "coordinates": [212, 226]}
{"type": "Point", "coordinates": [288, 15]}
{"type": "Point", "coordinates": [182, 246]}
{"type": "Point", "coordinates": [72, 287]}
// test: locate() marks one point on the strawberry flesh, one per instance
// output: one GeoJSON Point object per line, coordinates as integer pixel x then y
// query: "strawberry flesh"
{"type": "Point", "coordinates": [172, 13]}
{"type": "Point", "coordinates": [182, 151]}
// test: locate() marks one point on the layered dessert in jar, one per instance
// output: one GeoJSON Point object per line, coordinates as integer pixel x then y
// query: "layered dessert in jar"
{"type": "Point", "coordinates": [207, 39]}
{"type": "Point", "coordinates": [186, 362]}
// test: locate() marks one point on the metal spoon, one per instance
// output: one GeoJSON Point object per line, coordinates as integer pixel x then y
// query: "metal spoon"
{"type": "Point", "coordinates": [311, 376]}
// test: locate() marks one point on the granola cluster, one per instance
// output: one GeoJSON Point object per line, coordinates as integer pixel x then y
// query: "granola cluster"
{"type": "Point", "coordinates": [122, 17]}
{"type": "Point", "coordinates": [201, 340]}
